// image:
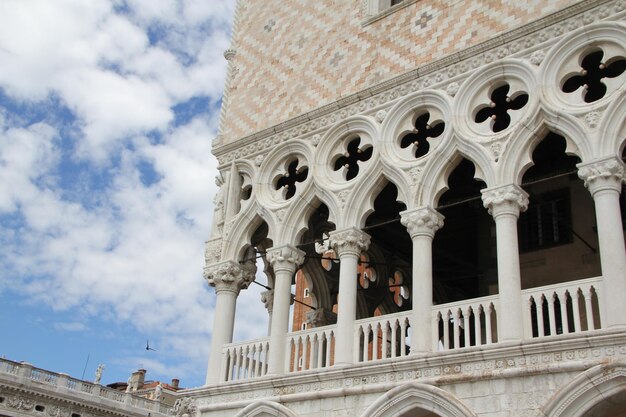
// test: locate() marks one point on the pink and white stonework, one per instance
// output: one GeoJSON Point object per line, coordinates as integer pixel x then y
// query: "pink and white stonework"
{"type": "Point", "coordinates": [458, 166]}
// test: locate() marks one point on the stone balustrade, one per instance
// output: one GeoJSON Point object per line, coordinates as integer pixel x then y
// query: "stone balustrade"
{"type": "Point", "coordinates": [571, 307]}
{"type": "Point", "coordinates": [27, 383]}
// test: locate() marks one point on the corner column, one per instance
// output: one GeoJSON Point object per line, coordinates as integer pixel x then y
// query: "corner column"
{"type": "Point", "coordinates": [348, 244]}
{"type": "Point", "coordinates": [422, 225]}
{"type": "Point", "coordinates": [284, 260]}
{"type": "Point", "coordinates": [604, 179]}
{"type": "Point", "coordinates": [228, 278]}
{"type": "Point", "coordinates": [505, 204]}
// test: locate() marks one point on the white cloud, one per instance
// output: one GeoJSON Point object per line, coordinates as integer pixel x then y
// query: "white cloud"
{"type": "Point", "coordinates": [129, 250]}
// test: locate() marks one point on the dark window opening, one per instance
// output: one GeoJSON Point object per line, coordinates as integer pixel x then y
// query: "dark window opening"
{"type": "Point", "coordinates": [351, 158]}
{"type": "Point", "coordinates": [290, 178]}
{"type": "Point", "coordinates": [498, 108]}
{"type": "Point", "coordinates": [594, 69]}
{"type": "Point", "coordinates": [39, 408]}
{"type": "Point", "coordinates": [420, 135]}
{"type": "Point", "coordinates": [547, 221]}
{"type": "Point", "coordinates": [464, 264]}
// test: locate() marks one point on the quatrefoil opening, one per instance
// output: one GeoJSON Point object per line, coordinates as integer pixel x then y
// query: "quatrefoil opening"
{"type": "Point", "coordinates": [289, 180]}
{"type": "Point", "coordinates": [498, 109]}
{"type": "Point", "coordinates": [350, 159]}
{"type": "Point", "coordinates": [593, 70]}
{"type": "Point", "coordinates": [420, 135]}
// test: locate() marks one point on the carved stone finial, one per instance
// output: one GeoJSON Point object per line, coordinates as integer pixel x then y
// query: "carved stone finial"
{"type": "Point", "coordinates": [285, 258]}
{"type": "Point", "coordinates": [422, 222]}
{"type": "Point", "coordinates": [229, 276]}
{"type": "Point", "coordinates": [230, 53]}
{"type": "Point", "coordinates": [511, 199]}
{"type": "Point", "coordinates": [351, 240]}
{"type": "Point", "coordinates": [604, 174]}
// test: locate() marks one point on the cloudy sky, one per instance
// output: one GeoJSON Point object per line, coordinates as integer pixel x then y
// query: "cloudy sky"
{"type": "Point", "coordinates": [107, 112]}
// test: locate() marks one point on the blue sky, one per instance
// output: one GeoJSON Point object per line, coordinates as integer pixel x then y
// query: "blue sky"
{"type": "Point", "coordinates": [107, 112]}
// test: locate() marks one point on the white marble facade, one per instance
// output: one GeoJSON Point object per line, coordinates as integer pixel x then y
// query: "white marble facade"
{"type": "Point", "coordinates": [566, 357]}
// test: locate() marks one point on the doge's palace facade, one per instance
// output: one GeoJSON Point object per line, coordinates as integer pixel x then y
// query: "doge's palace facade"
{"type": "Point", "coordinates": [447, 179]}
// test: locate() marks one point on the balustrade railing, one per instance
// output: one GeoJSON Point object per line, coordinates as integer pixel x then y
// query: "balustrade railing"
{"type": "Point", "coordinates": [245, 360]}
{"type": "Point", "coordinates": [465, 323]}
{"type": "Point", "coordinates": [58, 381]}
{"type": "Point", "coordinates": [310, 349]}
{"type": "Point", "coordinates": [382, 337]}
{"type": "Point", "coordinates": [570, 307]}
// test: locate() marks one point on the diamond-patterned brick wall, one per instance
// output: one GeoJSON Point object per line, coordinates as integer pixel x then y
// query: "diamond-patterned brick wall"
{"type": "Point", "coordinates": [295, 56]}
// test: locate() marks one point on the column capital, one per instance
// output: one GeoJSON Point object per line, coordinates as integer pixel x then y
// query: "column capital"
{"type": "Point", "coordinates": [228, 276]}
{"type": "Point", "coordinates": [505, 199]}
{"type": "Point", "coordinates": [285, 258]}
{"type": "Point", "coordinates": [603, 174]}
{"type": "Point", "coordinates": [349, 241]}
{"type": "Point", "coordinates": [423, 221]}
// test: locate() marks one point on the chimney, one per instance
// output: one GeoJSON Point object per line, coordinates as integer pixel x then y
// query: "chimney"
{"type": "Point", "coordinates": [137, 380]}
{"type": "Point", "coordinates": [175, 382]}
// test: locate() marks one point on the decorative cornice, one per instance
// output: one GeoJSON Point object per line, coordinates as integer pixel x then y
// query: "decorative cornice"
{"type": "Point", "coordinates": [508, 44]}
{"type": "Point", "coordinates": [424, 221]}
{"type": "Point", "coordinates": [228, 276]}
{"type": "Point", "coordinates": [505, 199]}
{"type": "Point", "coordinates": [349, 241]}
{"type": "Point", "coordinates": [604, 174]}
{"type": "Point", "coordinates": [285, 258]}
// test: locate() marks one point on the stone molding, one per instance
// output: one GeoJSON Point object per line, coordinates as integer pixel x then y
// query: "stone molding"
{"type": "Point", "coordinates": [422, 222]}
{"type": "Point", "coordinates": [533, 357]}
{"type": "Point", "coordinates": [228, 276]}
{"type": "Point", "coordinates": [510, 44]}
{"type": "Point", "coordinates": [506, 199]}
{"type": "Point", "coordinates": [605, 174]}
{"type": "Point", "coordinates": [285, 258]}
{"type": "Point", "coordinates": [349, 242]}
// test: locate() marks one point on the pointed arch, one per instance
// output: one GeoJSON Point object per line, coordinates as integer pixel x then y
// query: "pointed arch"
{"type": "Point", "coordinates": [417, 396]}
{"type": "Point", "coordinates": [266, 409]}
{"type": "Point", "coordinates": [587, 390]}
{"type": "Point", "coordinates": [295, 222]}
{"type": "Point", "coordinates": [434, 182]}
{"type": "Point", "coordinates": [243, 227]}
{"type": "Point", "coordinates": [360, 202]}
{"type": "Point", "coordinates": [612, 129]}
{"type": "Point", "coordinates": [517, 157]}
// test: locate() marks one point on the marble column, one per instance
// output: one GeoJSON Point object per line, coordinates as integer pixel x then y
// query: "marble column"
{"type": "Point", "coordinates": [348, 244]}
{"type": "Point", "coordinates": [284, 260]}
{"type": "Point", "coordinates": [604, 180]}
{"type": "Point", "coordinates": [505, 204]}
{"type": "Point", "coordinates": [228, 278]}
{"type": "Point", "coordinates": [422, 225]}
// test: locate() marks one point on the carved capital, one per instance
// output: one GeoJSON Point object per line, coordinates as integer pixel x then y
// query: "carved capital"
{"type": "Point", "coordinates": [267, 298]}
{"type": "Point", "coordinates": [605, 174]}
{"type": "Point", "coordinates": [285, 258]}
{"type": "Point", "coordinates": [505, 199]}
{"type": "Point", "coordinates": [422, 222]}
{"type": "Point", "coordinates": [228, 276]}
{"type": "Point", "coordinates": [349, 241]}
